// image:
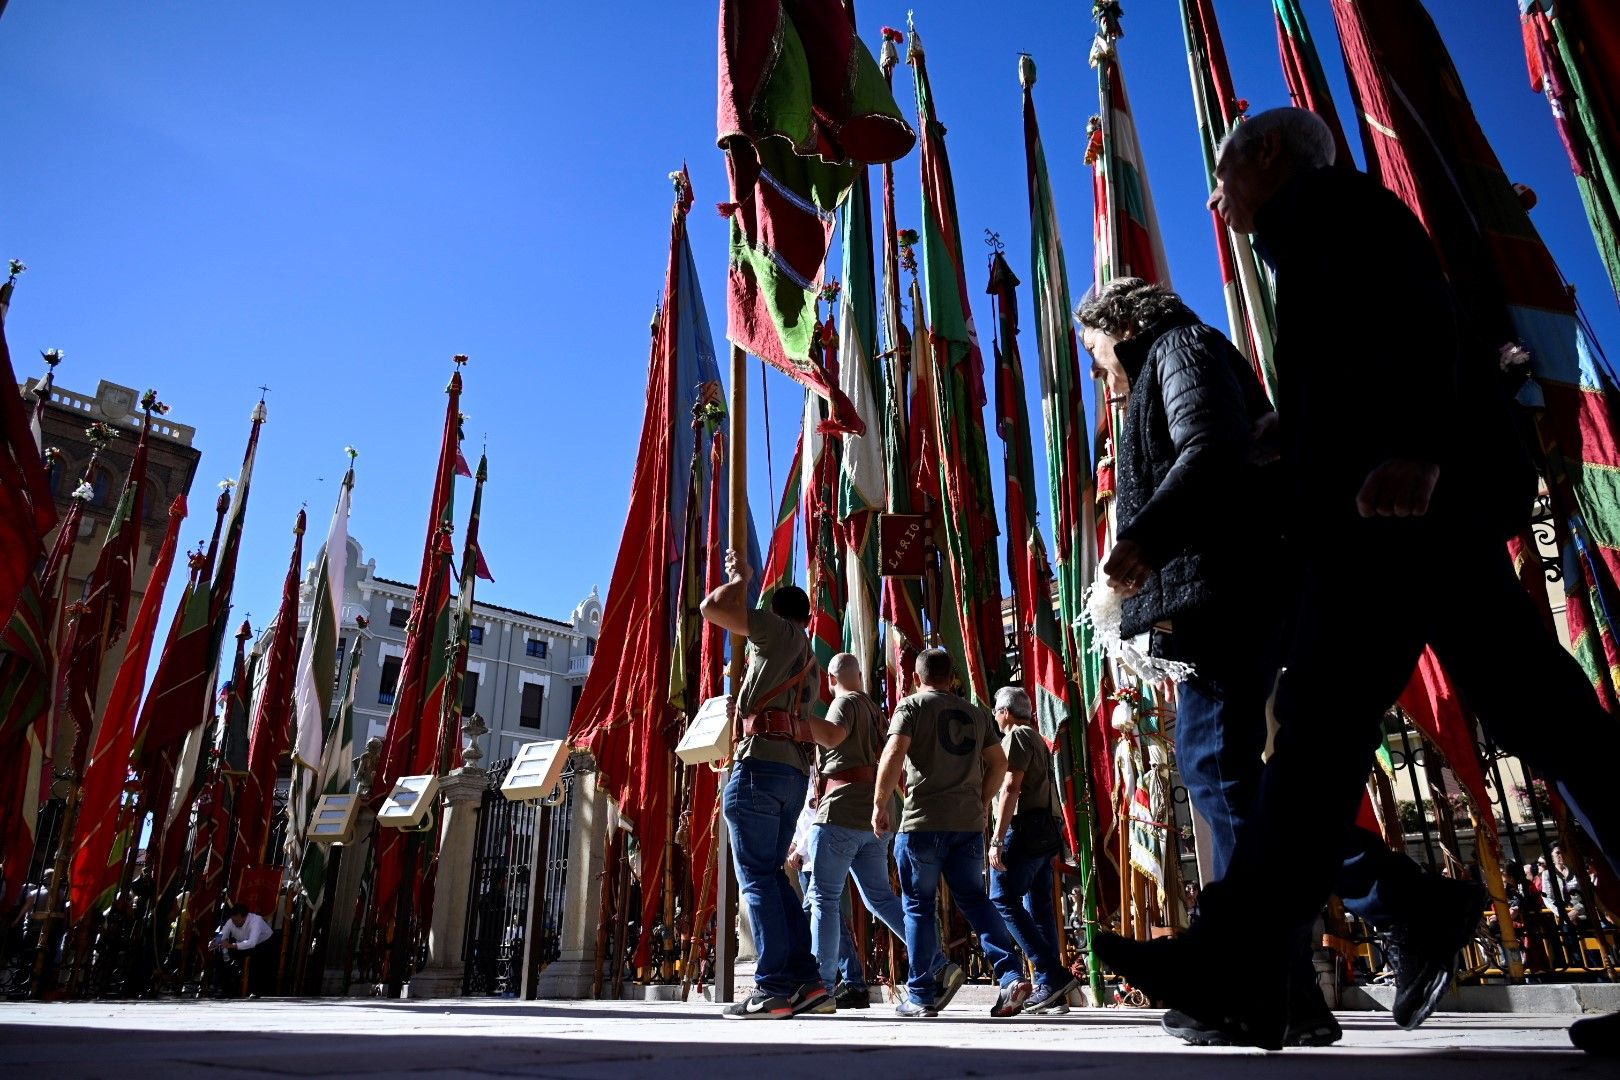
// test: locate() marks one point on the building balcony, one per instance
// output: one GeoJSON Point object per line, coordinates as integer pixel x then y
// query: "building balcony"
{"type": "Point", "coordinates": [579, 666]}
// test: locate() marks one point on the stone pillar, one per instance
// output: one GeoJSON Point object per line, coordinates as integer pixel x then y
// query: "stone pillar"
{"type": "Point", "coordinates": [460, 796]}
{"type": "Point", "coordinates": [571, 974]}
{"type": "Point", "coordinates": [342, 895]}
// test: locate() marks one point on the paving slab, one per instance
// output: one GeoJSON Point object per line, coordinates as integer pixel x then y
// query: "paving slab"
{"type": "Point", "coordinates": [342, 1037]}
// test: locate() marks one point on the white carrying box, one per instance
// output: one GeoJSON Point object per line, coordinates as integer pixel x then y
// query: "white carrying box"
{"type": "Point", "coordinates": [408, 803]}
{"type": "Point", "coordinates": [708, 736]}
{"type": "Point", "coordinates": [333, 819]}
{"type": "Point", "coordinates": [535, 770]}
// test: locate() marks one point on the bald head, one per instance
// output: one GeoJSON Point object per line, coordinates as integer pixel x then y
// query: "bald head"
{"type": "Point", "coordinates": [844, 672]}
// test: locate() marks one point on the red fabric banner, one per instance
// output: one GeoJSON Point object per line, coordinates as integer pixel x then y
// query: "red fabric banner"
{"type": "Point", "coordinates": [271, 734]}
{"type": "Point", "coordinates": [101, 796]}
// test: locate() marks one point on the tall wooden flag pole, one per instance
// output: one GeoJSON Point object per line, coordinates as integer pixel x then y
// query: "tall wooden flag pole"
{"type": "Point", "coordinates": [1249, 304]}
{"type": "Point", "coordinates": [737, 530]}
{"type": "Point", "coordinates": [970, 620]}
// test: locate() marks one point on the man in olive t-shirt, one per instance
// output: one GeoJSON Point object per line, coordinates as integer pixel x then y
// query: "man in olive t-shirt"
{"type": "Point", "coordinates": [766, 790]}
{"type": "Point", "coordinates": [953, 762]}
{"type": "Point", "coordinates": [841, 840]}
{"type": "Point", "coordinates": [1021, 878]}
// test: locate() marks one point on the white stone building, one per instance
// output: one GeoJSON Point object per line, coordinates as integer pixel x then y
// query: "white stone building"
{"type": "Point", "coordinates": [524, 671]}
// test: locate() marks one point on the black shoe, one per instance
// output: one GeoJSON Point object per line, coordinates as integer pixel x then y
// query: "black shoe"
{"type": "Point", "coordinates": [947, 983]}
{"type": "Point", "coordinates": [1423, 952]}
{"type": "Point", "coordinates": [852, 997]}
{"type": "Point", "coordinates": [1323, 1030]}
{"type": "Point", "coordinates": [812, 997]}
{"type": "Point", "coordinates": [1191, 1031]}
{"type": "Point", "coordinates": [1598, 1035]}
{"type": "Point", "coordinates": [1166, 969]}
{"type": "Point", "coordinates": [758, 1006]}
{"type": "Point", "coordinates": [1313, 1029]}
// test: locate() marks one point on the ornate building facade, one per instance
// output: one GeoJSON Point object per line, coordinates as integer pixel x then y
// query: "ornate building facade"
{"type": "Point", "coordinates": [524, 671]}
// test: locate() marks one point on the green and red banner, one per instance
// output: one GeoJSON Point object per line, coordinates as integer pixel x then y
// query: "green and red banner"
{"type": "Point", "coordinates": [1249, 304]}
{"type": "Point", "coordinates": [802, 108]}
{"type": "Point", "coordinates": [1573, 50]}
{"type": "Point", "coordinates": [970, 616]}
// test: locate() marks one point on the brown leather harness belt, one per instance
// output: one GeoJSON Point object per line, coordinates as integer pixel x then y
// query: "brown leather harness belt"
{"type": "Point", "coordinates": [856, 774]}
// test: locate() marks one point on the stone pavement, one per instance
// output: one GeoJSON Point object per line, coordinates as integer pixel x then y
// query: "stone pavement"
{"type": "Point", "coordinates": [495, 1038]}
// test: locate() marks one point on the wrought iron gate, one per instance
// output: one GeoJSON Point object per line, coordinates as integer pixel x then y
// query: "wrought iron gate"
{"type": "Point", "coordinates": [502, 915]}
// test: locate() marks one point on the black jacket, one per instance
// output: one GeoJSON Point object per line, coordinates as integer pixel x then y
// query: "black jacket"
{"type": "Point", "coordinates": [1373, 363]}
{"type": "Point", "coordinates": [1187, 490]}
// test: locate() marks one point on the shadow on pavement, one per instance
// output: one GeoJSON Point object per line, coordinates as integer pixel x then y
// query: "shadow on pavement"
{"type": "Point", "coordinates": [47, 1051]}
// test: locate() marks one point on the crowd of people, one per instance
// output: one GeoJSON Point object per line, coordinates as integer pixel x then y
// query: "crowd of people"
{"type": "Point", "coordinates": [1379, 493]}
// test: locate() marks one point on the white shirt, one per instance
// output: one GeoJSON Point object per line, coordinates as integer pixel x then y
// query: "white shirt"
{"type": "Point", "coordinates": [807, 818]}
{"type": "Point", "coordinates": [253, 931]}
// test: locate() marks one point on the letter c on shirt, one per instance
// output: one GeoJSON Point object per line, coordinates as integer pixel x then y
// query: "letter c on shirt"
{"type": "Point", "coordinates": [955, 729]}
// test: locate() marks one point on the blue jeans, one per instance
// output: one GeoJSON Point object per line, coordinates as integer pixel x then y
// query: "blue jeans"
{"type": "Point", "coordinates": [847, 967]}
{"type": "Point", "coordinates": [762, 802]}
{"type": "Point", "coordinates": [837, 852]}
{"type": "Point", "coordinates": [1023, 895]}
{"type": "Point", "coordinates": [925, 857]}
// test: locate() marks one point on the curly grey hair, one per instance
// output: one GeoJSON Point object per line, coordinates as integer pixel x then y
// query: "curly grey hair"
{"type": "Point", "coordinates": [1015, 701]}
{"type": "Point", "coordinates": [1127, 305]}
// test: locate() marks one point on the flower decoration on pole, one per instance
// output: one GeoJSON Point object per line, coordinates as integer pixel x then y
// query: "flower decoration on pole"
{"type": "Point", "coordinates": [17, 267]}
{"type": "Point", "coordinates": [1094, 140]}
{"type": "Point", "coordinates": [52, 356]}
{"type": "Point", "coordinates": [226, 484]}
{"type": "Point", "coordinates": [352, 452]}
{"type": "Point", "coordinates": [150, 403]}
{"type": "Point", "coordinates": [84, 492]}
{"type": "Point", "coordinates": [100, 434]}
{"type": "Point", "coordinates": [908, 241]}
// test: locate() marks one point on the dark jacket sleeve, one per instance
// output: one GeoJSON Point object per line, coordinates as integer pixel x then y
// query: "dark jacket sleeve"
{"type": "Point", "coordinates": [1209, 427]}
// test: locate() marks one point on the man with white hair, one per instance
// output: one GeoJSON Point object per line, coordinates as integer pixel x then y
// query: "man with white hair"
{"type": "Point", "coordinates": [1197, 427]}
{"type": "Point", "coordinates": [841, 841]}
{"type": "Point", "coordinates": [1402, 478]}
{"type": "Point", "coordinates": [1025, 838]}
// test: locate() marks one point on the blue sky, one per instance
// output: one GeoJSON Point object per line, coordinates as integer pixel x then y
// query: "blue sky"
{"type": "Point", "coordinates": [332, 199]}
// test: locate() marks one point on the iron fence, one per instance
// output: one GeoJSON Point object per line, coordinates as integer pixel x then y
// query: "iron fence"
{"type": "Point", "coordinates": [518, 881]}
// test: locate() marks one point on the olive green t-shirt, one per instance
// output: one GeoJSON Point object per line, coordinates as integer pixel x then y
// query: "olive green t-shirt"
{"type": "Point", "coordinates": [1027, 753]}
{"type": "Point", "coordinates": [777, 650]}
{"type": "Point", "coordinates": [851, 805]}
{"type": "Point", "coordinates": [944, 766]}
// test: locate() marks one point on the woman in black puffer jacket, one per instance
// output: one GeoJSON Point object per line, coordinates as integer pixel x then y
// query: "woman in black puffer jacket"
{"type": "Point", "coordinates": [1199, 558]}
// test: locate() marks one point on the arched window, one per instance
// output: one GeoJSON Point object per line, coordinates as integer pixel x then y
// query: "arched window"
{"type": "Point", "coordinates": [101, 486]}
